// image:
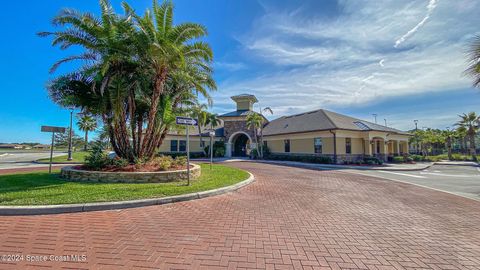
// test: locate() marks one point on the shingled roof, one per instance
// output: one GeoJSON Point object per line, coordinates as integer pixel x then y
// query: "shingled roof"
{"type": "Point", "coordinates": [322, 120]}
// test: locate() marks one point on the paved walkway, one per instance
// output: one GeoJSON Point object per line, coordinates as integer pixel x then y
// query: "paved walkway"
{"type": "Point", "coordinates": [290, 218]}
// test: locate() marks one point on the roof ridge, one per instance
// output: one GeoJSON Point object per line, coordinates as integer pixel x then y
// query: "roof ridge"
{"type": "Point", "coordinates": [328, 117]}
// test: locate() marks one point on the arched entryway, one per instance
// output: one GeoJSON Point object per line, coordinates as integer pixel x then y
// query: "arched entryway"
{"type": "Point", "coordinates": [239, 144]}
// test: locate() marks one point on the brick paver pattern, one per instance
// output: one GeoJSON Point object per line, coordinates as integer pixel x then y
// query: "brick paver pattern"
{"type": "Point", "coordinates": [289, 218]}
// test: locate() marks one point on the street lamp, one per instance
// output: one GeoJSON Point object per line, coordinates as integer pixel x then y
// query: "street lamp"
{"type": "Point", "coordinates": [416, 135]}
{"type": "Point", "coordinates": [70, 134]}
{"type": "Point", "coordinates": [375, 115]}
{"type": "Point", "coordinates": [385, 121]}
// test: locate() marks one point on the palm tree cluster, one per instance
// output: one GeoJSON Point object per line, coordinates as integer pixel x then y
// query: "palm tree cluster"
{"type": "Point", "coordinates": [137, 72]}
{"type": "Point", "coordinates": [434, 141]}
{"type": "Point", "coordinates": [473, 69]}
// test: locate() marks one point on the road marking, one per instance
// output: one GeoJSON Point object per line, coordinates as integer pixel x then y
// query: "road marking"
{"type": "Point", "coordinates": [404, 174]}
{"type": "Point", "coordinates": [414, 184]}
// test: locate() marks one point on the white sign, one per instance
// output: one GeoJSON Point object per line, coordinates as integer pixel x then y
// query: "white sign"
{"type": "Point", "coordinates": [187, 121]}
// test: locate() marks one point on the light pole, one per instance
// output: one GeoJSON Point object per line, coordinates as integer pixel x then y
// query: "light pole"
{"type": "Point", "coordinates": [416, 135]}
{"type": "Point", "coordinates": [375, 115]}
{"type": "Point", "coordinates": [70, 134]}
{"type": "Point", "coordinates": [385, 121]}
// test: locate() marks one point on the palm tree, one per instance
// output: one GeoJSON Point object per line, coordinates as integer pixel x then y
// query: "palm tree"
{"type": "Point", "coordinates": [449, 136]}
{"type": "Point", "coordinates": [138, 72]}
{"type": "Point", "coordinates": [199, 112]}
{"type": "Point", "coordinates": [463, 138]}
{"type": "Point", "coordinates": [470, 122]}
{"type": "Point", "coordinates": [213, 120]}
{"type": "Point", "coordinates": [269, 110]}
{"type": "Point", "coordinates": [87, 123]}
{"type": "Point", "coordinates": [254, 121]}
{"type": "Point", "coordinates": [473, 69]}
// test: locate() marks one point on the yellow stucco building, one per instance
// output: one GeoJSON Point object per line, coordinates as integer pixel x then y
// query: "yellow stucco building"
{"type": "Point", "coordinates": [321, 133]}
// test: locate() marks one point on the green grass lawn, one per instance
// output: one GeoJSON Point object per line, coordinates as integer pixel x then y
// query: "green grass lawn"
{"type": "Point", "coordinates": [78, 157]}
{"type": "Point", "coordinates": [41, 188]}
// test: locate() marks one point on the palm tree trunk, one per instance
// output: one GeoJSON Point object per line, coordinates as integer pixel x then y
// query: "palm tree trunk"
{"type": "Point", "coordinates": [449, 148]}
{"type": "Point", "coordinates": [473, 150]}
{"type": "Point", "coordinates": [86, 141]}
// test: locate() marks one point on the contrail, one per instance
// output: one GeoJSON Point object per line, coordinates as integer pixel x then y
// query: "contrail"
{"type": "Point", "coordinates": [431, 6]}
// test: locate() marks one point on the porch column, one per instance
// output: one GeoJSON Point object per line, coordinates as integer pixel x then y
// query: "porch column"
{"type": "Point", "coordinates": [228, 150]}
{"type": "Point", "coordinates": [367, 147]}
{"type": "Point", "coordinates": [398, 148]}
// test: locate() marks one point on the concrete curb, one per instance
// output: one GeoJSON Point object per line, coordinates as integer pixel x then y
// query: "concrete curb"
{"type": "Point", "coordinates": [86, 207]}
{"type": "Point", "coordinates": [340, 167]}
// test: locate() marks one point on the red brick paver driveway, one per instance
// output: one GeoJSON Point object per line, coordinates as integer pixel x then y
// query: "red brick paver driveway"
{"type": "Point", "coordinates": [290, 218]}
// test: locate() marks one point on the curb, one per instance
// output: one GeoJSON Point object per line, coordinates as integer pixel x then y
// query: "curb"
{"type": "Point", "coordinates": [102, 206]}
{"type": "Point", "coordinates": [324, 166]}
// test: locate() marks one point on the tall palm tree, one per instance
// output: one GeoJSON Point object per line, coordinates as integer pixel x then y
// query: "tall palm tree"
{"type": "Point", "coordinates": [269, 110]}
{"type": "Point", "coordinates": [473, 69]}
{"type": "Point", "coordinates": [87, 123]}
{"type": "Point", "coordinates": [254, 121]}
{"type": "Point", "coordinates": [199, 112]}
{"type": "Point", "coordinates": [213, 120]}
{"type": "Point", "coordinates": [470, 122]}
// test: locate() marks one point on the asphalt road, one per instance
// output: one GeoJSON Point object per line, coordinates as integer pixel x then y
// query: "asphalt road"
{"type": "Point", "coordinates": [459, 180]}
{"type": "Point", "coordinates": [10, 160]}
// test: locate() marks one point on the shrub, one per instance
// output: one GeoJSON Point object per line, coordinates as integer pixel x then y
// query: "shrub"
{"type": "Point", "coordinates": [180, 161]}
{"type": "Point", "coordinates": [301, 158]}
{"type": "Point", "coordinates": [118, 162]}
{"type": "Point", "coordinates": [417, 157]}
{"type": "Point", "coordinates": [182, 154]}
{"type": "Point", "coordinates": [372, 161]}
{"type": "Point", "coordinates": [163, 162]}
{"type": "Point", "coordinates": [398, 159]}
{"type": "Point", "coordinates": [218, 149]}
{"type": "Point", "coordinates": [97, 159]}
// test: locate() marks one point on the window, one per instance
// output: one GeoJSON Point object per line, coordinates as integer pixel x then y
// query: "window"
{"type": "Point", "coordinates": [202, 144]}
{"type": "Point", "coordinates": [287, 146]}
{"type": "Point", "coordinates": [265, 144]}
{"type": "Point", "coordinates": [183, 146]}
{"type": "Point", "coordinates": [348, 145]}
{"type": "Point", "coordinates": [173, 146]}
{"type": "Point", "coordinates": [318, 145]}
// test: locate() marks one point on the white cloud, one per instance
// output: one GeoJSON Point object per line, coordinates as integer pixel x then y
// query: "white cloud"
{"type": "Point", "coordinates": [431, 6]}
{"type": "Point", "coordinates": [314, 63]}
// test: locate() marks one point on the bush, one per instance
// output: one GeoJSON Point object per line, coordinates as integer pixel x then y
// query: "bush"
{"type": "Point", "coordinates": [417, 158]}
{"type": "Point", "coordinates": [118, 162]}
{"type": "Point", "coordinates": [163, 162]}
{"type": "Point", "coordinates": [182, 154]}
{"type": "Point", "coordinates": [97, 159]}
{"type": "Point", "coordinates": [301, 158]}
{"type": "Point", "coordinates": [372, 161]}
{"type": "Point", "coordinates": [398, 159]}
{"type": "Point", "coordinates": [180, 161]}
{"type": "Point", "coordinates": [218, 149]}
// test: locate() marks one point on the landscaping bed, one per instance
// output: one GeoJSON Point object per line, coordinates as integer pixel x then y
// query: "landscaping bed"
{"type": "Point", "coordinates": [41, 188]}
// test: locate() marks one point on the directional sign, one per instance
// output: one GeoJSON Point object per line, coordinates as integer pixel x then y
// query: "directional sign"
{"type": "Point", "coordinates": [186, 121]}
{"type": "Point", "coordinates": [53, 129]}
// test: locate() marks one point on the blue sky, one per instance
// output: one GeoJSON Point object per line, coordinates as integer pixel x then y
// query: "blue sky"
{"type": "Point", "coordinates": [402, 60]}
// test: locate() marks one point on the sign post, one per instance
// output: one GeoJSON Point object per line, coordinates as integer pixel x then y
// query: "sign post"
{"type": "Point", "coordinates": [187, 121]}
{"type": "Point", "coordinates": [53, 130]}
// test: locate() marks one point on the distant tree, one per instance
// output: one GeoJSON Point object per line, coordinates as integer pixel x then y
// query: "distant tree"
{"type": "Point", "coordinates": [473, 69]}
{"type": "Point", "coordinates": [199, 112]}
{"type": "Point", "coordinates": [254, 121]}
{"type": "Point", "coordinates": [213, 120]}
{"type": "Point", "coordinates": [269, 110]}
{"type": "Point", "coordinates": [87, 123]}
{"type": "Point", "coordinates": [61, 139]}
{"type": "Point", "coordinates": [470, 122]}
